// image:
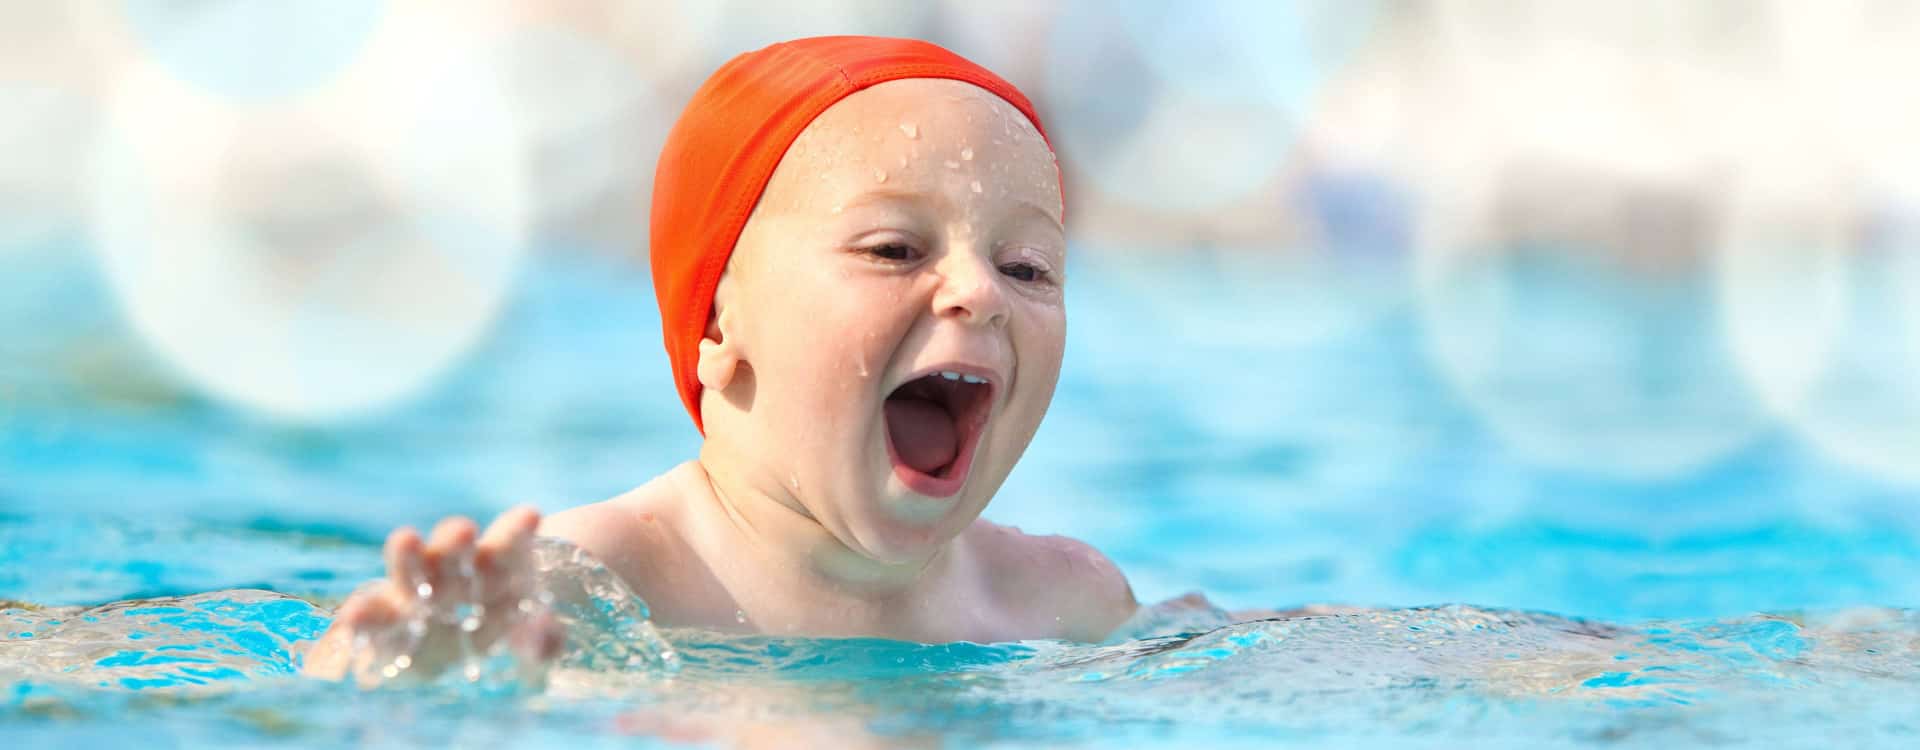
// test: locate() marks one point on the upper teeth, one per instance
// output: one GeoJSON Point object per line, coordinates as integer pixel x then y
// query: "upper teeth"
{"type": "Point", "coordinates": [951, 375]}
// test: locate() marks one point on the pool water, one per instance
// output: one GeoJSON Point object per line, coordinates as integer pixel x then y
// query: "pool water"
{"type": "Point", "coordinates": [1221, 426]}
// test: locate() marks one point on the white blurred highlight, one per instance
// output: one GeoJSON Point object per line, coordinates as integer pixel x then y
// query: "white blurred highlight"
{"type": "Point", "coordinates": [1821, 294]}
{"type": "Point", "coordinates": [1568, 208]}
{"type": "Point", "coordinates": [48, 121]}
{"type": "Point", "coordinates": [1215, 92]}
{"type": "Point", "coordinates": [1009, 37]}
{"type": "Point", "coordinates": [593, 129]}
{"type": "Point", "coordinates": [1820, 279]}
{"type": "Point", "coordinates": [253, 50]}
{"type": "Point", "coordinates": [46, 139]}
{"type": "Point", "coordinates": [324, 258]}
{"type": "Point", "coordinates": [731, 27]}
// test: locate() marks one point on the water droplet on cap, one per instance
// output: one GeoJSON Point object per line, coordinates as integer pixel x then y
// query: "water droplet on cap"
{"type": "Point", "coordinates": [976, 186]}
{"type": "Point", "coordinates": [910, 130]}
{"type": "Point", "coordinates": [966, 154]}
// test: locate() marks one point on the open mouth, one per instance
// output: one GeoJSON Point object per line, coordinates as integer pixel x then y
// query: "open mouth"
{"type": "Point", "coordinates": [933, 425]}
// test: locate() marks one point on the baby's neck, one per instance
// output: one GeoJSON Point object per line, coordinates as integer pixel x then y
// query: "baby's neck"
{"type": "Point", "coordinates": [774, 527]}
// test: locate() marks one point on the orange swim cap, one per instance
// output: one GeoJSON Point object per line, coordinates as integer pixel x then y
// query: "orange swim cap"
{"type": "Point", "coordinates": [722, 152]}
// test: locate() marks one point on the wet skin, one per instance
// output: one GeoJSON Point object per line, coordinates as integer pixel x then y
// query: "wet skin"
{"type": "Point", "coordinates": [913, 227]}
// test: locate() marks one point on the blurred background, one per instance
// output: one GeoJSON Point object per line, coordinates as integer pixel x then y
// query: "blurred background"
{"type": "Point", "coordinates": [1611, 309]}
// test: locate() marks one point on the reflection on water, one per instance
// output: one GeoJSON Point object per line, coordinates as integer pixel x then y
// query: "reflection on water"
{"type": "Point", "coordinates": [219, 665]}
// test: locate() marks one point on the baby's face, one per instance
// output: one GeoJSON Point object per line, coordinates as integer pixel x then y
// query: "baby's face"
{"type": "Point", "coordinates": [911, 234]}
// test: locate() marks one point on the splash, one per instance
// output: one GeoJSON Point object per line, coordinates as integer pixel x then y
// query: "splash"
{"type": "Point", "coordinates": [608, 625]}
{"type": "Point", "coordinates": [1185, 674]}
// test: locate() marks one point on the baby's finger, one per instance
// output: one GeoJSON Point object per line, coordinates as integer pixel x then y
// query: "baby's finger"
{"type": "Point", "coordinates": [449, 559]}
{"type": "Point", "coordinates": [405, 566]}
{"type": "Point", "coordinates": [449, 535]}
{"type": "Point", "coordinates": [372, 609]}
{"type": "Point", "coordinates": [502, 550]}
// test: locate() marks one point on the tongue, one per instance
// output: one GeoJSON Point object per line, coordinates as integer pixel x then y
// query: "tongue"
{"type": "Point", "coordinates": [924, 435]}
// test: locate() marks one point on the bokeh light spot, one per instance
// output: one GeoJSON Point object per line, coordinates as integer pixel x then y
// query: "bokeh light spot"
{"type": "Point", "coordinates": [319, 261]}
{"type": "Point", "coordinates": [254, 50]}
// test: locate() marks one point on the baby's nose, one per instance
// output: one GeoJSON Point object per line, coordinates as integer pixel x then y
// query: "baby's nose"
{"type": "Point", "coordinates": [970, 291]}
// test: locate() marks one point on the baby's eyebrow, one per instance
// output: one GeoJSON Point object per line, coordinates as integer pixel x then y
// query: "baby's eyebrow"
{"type": "Point", "coordinates": [899, 195]}
{"type": "Point", "coordinates": [1036, 209]}
{"type": "Point", "coordinates": [888, 195]}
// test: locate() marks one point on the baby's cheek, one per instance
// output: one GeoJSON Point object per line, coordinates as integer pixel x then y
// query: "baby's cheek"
{"type": "Point", "coordinates": [1047, 334]}
{"type": "Point", "coordinates": [1040, 347]}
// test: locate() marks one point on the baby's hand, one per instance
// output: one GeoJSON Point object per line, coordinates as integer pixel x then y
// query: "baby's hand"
{"type": "Point", "coordinates": [443, 602]}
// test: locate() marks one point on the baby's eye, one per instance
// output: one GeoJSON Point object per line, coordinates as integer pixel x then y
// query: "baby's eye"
{"type": "Point", "coordinates": [1021, 271]}
{"type": "Point", "coordinates": [894, 252]}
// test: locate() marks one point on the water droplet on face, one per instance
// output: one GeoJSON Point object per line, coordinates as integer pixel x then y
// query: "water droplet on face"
{"type": "Point", "coordinates": [879, 175]}
{"type": "Point", "coordinates": [976, 186]}
{"type": "Point", "coordinates": [903, 162]}
{"type": "Point", "coordinates": [910, 129]}
{"type": "Point", "coordinates": [966, 154]}
{"type": "Point", "coordinates": [838, 208]}
{"type": "Point", "coordinates": [740, 616]}
{"type": "Point", "coordinates": [951, 164]}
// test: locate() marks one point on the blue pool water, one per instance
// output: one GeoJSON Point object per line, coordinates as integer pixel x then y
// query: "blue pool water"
{"type": "Point", "coordinates": [1265, 440]}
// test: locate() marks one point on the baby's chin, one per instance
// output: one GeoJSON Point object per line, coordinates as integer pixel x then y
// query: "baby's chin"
{"type": "Point", "coordinates": [903, 527]}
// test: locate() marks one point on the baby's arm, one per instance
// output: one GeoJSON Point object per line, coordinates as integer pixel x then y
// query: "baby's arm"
{"type": "Point", "coordinates": [446, 575]}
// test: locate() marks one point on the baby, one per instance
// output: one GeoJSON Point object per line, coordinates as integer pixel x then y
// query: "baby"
{"type": "Point", "coordinates": [859, 254]}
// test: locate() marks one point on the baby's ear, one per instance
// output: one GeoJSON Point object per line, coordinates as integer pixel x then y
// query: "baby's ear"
{"type": "Point", "coordinates": [719, 355]}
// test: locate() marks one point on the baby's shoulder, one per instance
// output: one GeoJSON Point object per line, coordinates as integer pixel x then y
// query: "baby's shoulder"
{"type": "Point", "coordinates": [631, 533]}
{"type": "Point", "coordinates": [1063, 578]}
